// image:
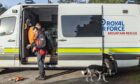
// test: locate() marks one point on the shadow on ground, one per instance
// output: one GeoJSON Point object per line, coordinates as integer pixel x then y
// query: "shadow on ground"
{"type": "Point", "coordinates": [125, 75]}
{"type": "Point", "coordinates": [61, 73]}
{"type": "Point", "coordinates": [11, 70]}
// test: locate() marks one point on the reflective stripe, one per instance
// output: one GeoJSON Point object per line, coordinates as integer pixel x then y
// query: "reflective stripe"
{"type": "Point", "coordinates": [125, 50]}
{"type": "Point", "coordinates": [11, 50]}
{"type": "Point", "coordinates": [79, 50]}
{"type": "Point", "coordinates": [84, 50]}
{"type": "Point", "coordinates": [98, 50]}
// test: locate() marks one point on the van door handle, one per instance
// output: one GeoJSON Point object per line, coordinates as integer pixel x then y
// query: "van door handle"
{"type": "Point", "coordinates": [62, 40]}
{"type": "Point", "coordinates": [11, 40]}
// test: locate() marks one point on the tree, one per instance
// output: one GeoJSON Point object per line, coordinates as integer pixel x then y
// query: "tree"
{"type": "Point", "coordinates": [67, 1]}
{"type": "Point", "coordinates": [2, 9]}
{"type": "Point", "coordinates": [107, 1]}
{"type": "Point", "coordinates": [138, 1]}
{"type": "Point", "coordinates": [29, 2]}
{"type": "Point", "coordinates": [0, 5]}
{"type": "Point", "coordinates": [49, 1]}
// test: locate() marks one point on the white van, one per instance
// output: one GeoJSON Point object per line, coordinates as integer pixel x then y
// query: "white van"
{"type": "Point", "coordinates": [82, 34]}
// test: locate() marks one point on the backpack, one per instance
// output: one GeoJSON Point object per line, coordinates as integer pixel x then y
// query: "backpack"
{"type": "Point", "coordinates": [49, 42]}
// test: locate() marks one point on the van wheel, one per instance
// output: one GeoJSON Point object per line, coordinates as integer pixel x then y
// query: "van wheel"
{"type": "Point", "coordinates": [111, 65]}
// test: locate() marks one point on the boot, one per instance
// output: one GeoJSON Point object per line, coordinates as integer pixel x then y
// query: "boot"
{"type": "Point", "coordinates": [41, 78]}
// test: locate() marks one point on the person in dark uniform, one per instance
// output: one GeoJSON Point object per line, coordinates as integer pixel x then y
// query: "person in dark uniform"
{"type": "Point", "coordinates": [39, 47]}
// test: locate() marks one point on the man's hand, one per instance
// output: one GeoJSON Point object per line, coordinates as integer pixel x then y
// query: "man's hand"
{"type": "Point", "coordinates": [28, 46]}
{"type": "Point", "coordinates": [34, 49]}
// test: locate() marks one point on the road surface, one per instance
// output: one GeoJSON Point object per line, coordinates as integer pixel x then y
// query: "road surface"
{"type": "Point", "coordinates": [128, 75]}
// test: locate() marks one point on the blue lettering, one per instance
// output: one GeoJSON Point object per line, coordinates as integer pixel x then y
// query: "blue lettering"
{"type": "Point", "coordinates": [111, 29]}
{"type": "Point", "coordinates": [123, 28]}
{"type": "Point", "coordinates": [108, 22]}
{"type": "Point", "coordinates": [113, 25]}
{"type": "Point", "coordinates": [118, 22]}
{"type": "Point", "coordinates": [103, 21]}
{"type": "Point", "coordinates": [114, 29]}
{"type": "Point", "coordinates": [119, 28]}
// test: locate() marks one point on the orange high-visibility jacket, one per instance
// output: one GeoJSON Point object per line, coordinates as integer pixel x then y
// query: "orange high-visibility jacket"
{"type": "Point", "coordinates": [31, 35]}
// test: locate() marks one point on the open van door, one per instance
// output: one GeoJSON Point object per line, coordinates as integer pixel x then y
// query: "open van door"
{"type": "Point", "coordinates": [80, 38]}
{"type": "Point", "coordinates": [9, 37]}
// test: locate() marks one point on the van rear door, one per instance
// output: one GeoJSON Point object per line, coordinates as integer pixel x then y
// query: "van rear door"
{"type": "Point", "coordinates": [80, 39]}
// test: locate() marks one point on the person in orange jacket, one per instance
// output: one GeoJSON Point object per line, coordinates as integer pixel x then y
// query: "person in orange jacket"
{"type": "Point", "coordinates": [31, 34]}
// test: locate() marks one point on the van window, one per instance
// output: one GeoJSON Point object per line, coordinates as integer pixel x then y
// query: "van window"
{"type": "Point", "coordinates": [7, 25]}
{"type": "Point", "coordinates": [82, 25]}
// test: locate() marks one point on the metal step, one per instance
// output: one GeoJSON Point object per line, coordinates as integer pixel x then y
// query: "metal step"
{"type": "Point", "coordinates": [48, 59]}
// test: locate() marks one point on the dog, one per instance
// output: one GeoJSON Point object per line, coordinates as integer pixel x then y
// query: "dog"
{"type": "Point", "coordinates": [95, 70]}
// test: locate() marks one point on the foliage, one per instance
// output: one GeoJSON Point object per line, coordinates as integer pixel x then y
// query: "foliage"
{"type": "Point", "coordinates": [67, 1]}
{"type": "Point", "coordinates": [2, 8]}
{"type": "Point", "coordinates": [112, 1]}
{"type": "Point", "coordinates": [138, 1]}
{"type": "Point", "coordinates": [107, 1]}
{"type": "Point", "coordinates": [29, 2]}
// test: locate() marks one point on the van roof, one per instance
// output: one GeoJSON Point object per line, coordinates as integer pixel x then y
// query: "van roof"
{"type": "Point", "coordinates": [64, 4]}
{"type": "Point", "coordinates": [77, 4]}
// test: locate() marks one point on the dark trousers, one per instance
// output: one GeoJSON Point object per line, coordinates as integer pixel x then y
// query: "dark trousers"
{"type": "Point", "coordinates": [40, 60]}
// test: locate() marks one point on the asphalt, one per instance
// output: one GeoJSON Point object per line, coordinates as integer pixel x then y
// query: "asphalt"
{"type": "Point", "coordinates": [126, 75]}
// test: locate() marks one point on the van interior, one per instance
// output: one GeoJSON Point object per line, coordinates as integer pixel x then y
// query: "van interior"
{"type": "Point", "coordinates": [47, 16]}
